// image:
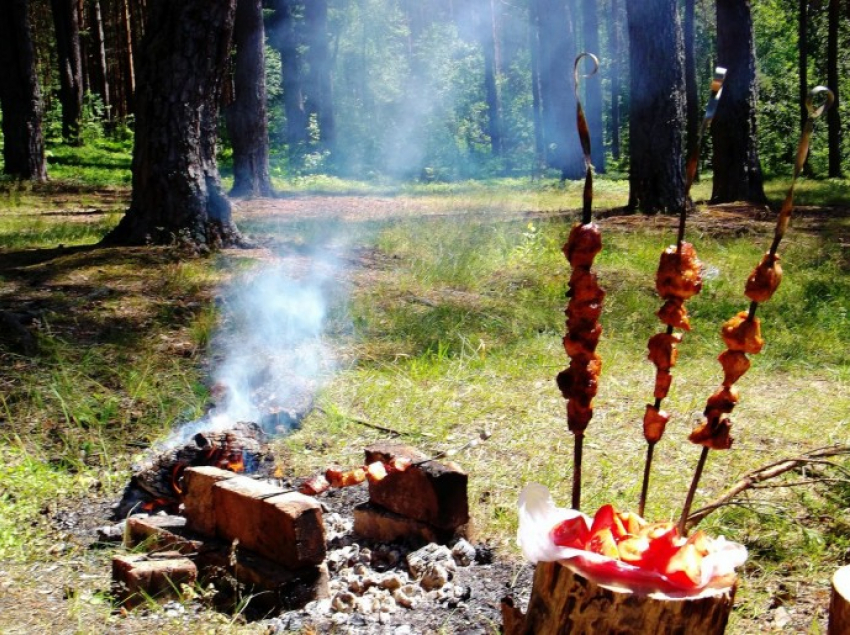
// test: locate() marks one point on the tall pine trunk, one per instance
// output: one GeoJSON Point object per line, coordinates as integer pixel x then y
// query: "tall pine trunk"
{"type": "Point", "coordinates": [20, 97]}
{"type": "Point", "coordinates": [615, 41]}
{"type": "Point", "coordinates": [246, 116]}
{"type": "Point", "coordinates": [657, 109]}
{"type": "Point", "coordinates": [66, 19]}
{"type": "Point", "coordinates": [832, 116]}
{"type": "Point", "coordinates": [489, 45]}
{"type": "Point", "coordinates": [536, 102]}
{"type": "Point", "coordinates": [284, 37]}
{"type": "Point", "coordinates": [737, 169]}
{"type": "Point", "coordinates": [320, 95]}
{"type": "Point", "coordinates": [101, 69]}
{"type": "Point", "coordinates": [692, 108]}
{"type": "Point", "coordinates": [177, 195]}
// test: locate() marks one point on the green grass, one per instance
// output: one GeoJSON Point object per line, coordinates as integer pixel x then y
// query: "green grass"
{"type": "Point", "coordinates": [452, 330]}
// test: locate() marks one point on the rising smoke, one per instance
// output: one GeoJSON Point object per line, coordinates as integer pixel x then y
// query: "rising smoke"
{"type": "Point", "coordinates": [270, 353]}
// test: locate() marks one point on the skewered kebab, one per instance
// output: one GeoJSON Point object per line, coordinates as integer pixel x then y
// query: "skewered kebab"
{"type": "Point", "coordinates": [579, 382]}
{"type": "Point", "coordinates": [742, 333]}
{"type": "Point", "coordinates": [679, 278]}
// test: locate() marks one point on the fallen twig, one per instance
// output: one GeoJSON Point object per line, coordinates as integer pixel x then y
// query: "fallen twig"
{"type": "Point", "coordinates": [772, 470]}
{"type": "Point", "coordinates": [365, 423]}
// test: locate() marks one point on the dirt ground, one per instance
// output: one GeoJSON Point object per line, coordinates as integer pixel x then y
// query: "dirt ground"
{"type": "Point", "coordinates": [69, 592]}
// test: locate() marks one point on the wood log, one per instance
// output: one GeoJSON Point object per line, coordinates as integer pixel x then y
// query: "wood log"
{"type": "Point", "coordinates": [563, 601]}
{"type": "Point", "coordinates": [839, 605]}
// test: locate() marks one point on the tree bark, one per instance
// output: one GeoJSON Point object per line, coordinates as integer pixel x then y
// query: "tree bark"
{"type": "Point", "coordinates": [833, 117]}
{"type": "Point", "coordinates": [489, 46]}
{"type": "Point", "coordinates": [593, 88]}
{"type": "Point", "coordinates": [246, 116]}
{"type": "Point", "coordinates": [284, 37]}
{"type": "Point", "coordinates": [20, 97]}
{"type": "Point", "coordinates": [320, 95]}
{"type": "Point", "coordinates": [616, 47]}
{"type": "Point", "coordinates": [102, 72]}
{"type": "Point", "coordinates": [803, 47]}
{"type": "Point", "coordinates": [737, 169]}
{"type": "Point", "coordinates": [536, 103]}
{"type": "Point", "coordinates": [657, 108]}
{"type": "Point", "coordinates": [66, 19]}
{"type": "Point", "coordinates": [692, 109]}
{"type": "Point", "coordinates": [565, 602]}
{"type": "Point", "coordinates": [177, 195]}
{"type": "Point", "coordinates": [839, 605]}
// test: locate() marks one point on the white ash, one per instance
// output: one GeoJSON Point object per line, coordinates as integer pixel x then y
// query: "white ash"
{"type": "Point", "coordinates": [372, 586]}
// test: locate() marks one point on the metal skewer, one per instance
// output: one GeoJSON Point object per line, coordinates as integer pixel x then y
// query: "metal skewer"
{"type": "Point", "coordinates": [781, 227]}
{"type": "Point", "coordinates": [690, 174]}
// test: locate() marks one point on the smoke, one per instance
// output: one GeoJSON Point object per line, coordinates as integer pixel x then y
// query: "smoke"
{"type": "Point", "coordinates": [270, 355]}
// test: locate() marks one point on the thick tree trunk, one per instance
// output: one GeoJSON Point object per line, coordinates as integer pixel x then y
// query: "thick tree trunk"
{"type": "Point", "coordinates": [557, 52]}
{"type": "Point", "coordinates": [616, 47]}
{"type": "Point", "coordinates": [283, 36]}
{"type": "Point", "coordinates": [657, 109]}
{"type": "Point", "coordinates": [320, 95]}
{"type": "Point", "coordinates": [66, 19]}
{"type": "Point", "coordinates": [177, 194]}
{"type": "Point", "coordinates": [737, 170]}
{"type": "Point", "coordinates": [246, 116]}
{"type": "Point", "coordinates": [593, 88]}
{"type": "Point", "coordinates": [20, 98]}
{"type": "Point", "coordinates": [832, 116]}
{"type": "Point", "coordinates": [565, 602]}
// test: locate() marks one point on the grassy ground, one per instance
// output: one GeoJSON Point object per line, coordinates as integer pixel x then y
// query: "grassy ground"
{"type": "Point", "coordinates": [451, 332]}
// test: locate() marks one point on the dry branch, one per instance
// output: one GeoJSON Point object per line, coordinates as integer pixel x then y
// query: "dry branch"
{"type": "Point", "coordinates": [772, 470]}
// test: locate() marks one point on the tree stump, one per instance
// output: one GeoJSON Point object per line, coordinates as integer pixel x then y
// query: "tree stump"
{"type": "Point", "coordinates": [839, 605]}
{"type": "Point", "coordinates": [563, 601]}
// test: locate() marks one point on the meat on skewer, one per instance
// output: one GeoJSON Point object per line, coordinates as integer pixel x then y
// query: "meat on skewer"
{"type": "Point", "coordinates": [584, 243]}
{"type": "Point", "coordinates": [673, 313]}
{"type": "Point", "coordinates": [735, 365]}
{"type": "Point", "coordinates": [765, 279]}
{"type": "Point", "coordinates": [743, 333]}
{"type": "Point", "coordinates": [679, 273]}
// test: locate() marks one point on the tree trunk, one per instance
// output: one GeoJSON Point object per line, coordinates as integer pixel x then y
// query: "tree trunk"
{"type": "Point", "coordinates": [557, 52]}
{"type": "Point", "coordinates": [565, 602]}
{"type": "Point", "coordinates": [737, 170]}
{"type": "Point", "coordinates": [803, 47]}
{"type": "Point", "coordinates": [657, 109]}
{"type": "Point", "coordinates": [102, 73]}
{"type": "Point", "coordinates": [832, 116]}
{"type": "Point", "coordinates": [489, 46]}
{"type": "Point", "coordinates": [20, 98]}
{"type": "Point", "coordinates": [246, 116]}
{"type": "Point", "coordinates": [283, 36]}
{"type": "Point", "coordinates": [177, 194]}
{"type": "Point", "coordinates": [593, 88]}
{"type": "Point", "coordinates": [66, 19]}
{"type": "Point", "coordinates": [536, 104]}
{"type": "Point", "coordinates": [129, 63]}
{"type": "Point", "coordinates": [320, 96]}
{"type": "Point", "coordinates": [692, 108]}
{"type": "Point", "coordinates": [616, 47]}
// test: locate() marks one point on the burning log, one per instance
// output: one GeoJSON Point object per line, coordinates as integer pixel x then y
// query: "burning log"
{"type": "Point", "coordinates": [157, 482]}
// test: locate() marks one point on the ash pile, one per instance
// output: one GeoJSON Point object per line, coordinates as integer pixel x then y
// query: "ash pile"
{"type": "Point", "coordinates": [392, 556]}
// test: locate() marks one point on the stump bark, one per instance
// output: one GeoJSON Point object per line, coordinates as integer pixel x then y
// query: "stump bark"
{"type": "Point", "coordinates": [563, 601]}
{"type": "Point", "coordinates": [839, 605]}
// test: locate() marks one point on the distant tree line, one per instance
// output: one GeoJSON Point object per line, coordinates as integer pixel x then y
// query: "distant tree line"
{"type": "Point", "coordinates": [427, 89]}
